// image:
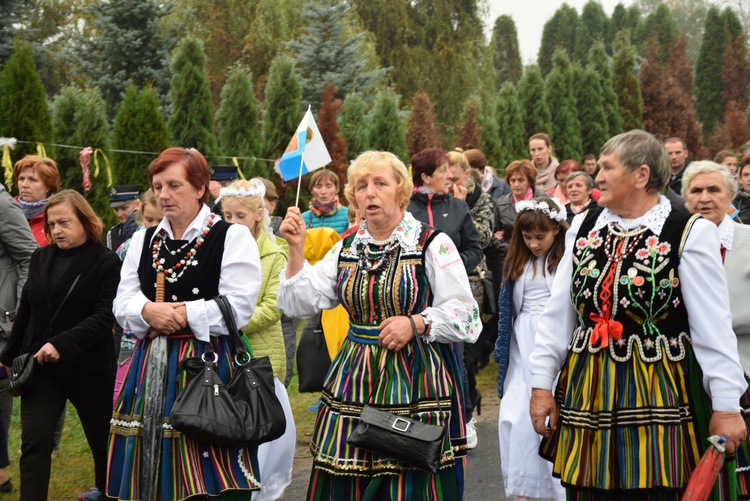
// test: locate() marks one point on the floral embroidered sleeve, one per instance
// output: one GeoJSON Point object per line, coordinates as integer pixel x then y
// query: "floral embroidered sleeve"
{"type": "Point", "coordinates": [454, 312]}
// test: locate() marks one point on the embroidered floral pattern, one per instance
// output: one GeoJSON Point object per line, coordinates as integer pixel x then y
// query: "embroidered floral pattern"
{"type": "Point", "coordinates": [593, 241]}
{"type": "Point", "coordinates": [653, 248]}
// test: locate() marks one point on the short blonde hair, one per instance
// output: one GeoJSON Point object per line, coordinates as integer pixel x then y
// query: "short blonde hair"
{"type": "Point", "coordinates": [252, 203]}
{"type": "Point", "coordinates": [370, 161]}
{"type": "Point", "coordinates": [459, 158]}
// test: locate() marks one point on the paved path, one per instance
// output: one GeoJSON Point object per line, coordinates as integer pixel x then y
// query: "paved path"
{"type": "Point", "coordinates": [483, 479]}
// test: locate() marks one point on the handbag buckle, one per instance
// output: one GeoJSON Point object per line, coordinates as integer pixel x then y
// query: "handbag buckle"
{"type": "Point", "coordinates": [401, 424]}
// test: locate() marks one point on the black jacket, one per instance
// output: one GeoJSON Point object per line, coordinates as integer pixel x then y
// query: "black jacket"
{"type": "Point", "coordinates": [452, 217]}
{"type": "Point", "coordinates": [82, 331]}
{"type": "Point", "coordinates": [742, 204]}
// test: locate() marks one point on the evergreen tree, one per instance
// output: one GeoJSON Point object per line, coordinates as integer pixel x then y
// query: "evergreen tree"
{"type": "Point", "coordinates": [732, 24]}
{"type": "Point", "coordinates": [709, 101]}
{"type": "Point", "coordinates": [600, 63]}
{"type": "Point", "coordinates": [283, 94]}
{"type": "Point", "coordinates": [329, 130]}
{"type": "Point", "coordinates": [353, 125]}
{"type": "Point", "coordinates": [282, 107]}
{"type": "Point", "coordinates": [386, 126]}
{"type": "Point", "coordinates": [533, 99]}
{"type": "Point", "coordinates": [566, 129]}
{"type": "Point", "coordinates": [592, 26]}
{"type": "Point", "coordinates": [658, 28]}
{"type": "Point", "coordinates": [491, 143]}
{"type": "Point", "coordinates": [625, 83]}
{"type": "Point", "coordinates": [618, 22]}
{"type": "Point", "coordinates": [327, 54]}
{"type": "Point", "coordinates": [469, 132]}
{"type": "Point", "coordinates": [735, 74]}
{"type": "Point", "coordinates": [191, 121]}
{"type": "Point", "coordinates": [558, 33]}
{"type": "Point", "coordinates": [8, 26]}
{"type": "Point", "coordinates": [732, 134]}
{"type": "Point", "coordinates": [128, 47]}
{"type": "Point", "coordinates": [510, 126]}
{"type": "Point", "coordinates": [64, 108]}
{"type": "Point", "coordinates": [591, 115]}
{"type": "Point", "coordinates": [506, 57]}
{"type": "Point", "coordinates": [237, 120]}
{"type": "Point", "coordinates": [139, 126]}
{"type": "Point", "coordinates": [23, 104]}
{"type": "Point", "coordinates": [421, 131]}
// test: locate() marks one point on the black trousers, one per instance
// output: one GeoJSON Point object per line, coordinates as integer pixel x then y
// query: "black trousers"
{"type": "Point", "coordinates": [41, 406]}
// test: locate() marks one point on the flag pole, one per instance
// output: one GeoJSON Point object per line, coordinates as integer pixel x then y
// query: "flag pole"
{"type": "Point", "coordinates": [299, 178]}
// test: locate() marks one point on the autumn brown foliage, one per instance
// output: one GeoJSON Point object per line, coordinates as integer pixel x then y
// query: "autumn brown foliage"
{"type": "Point", "coordinates": [421, 130]}
{"type": "Point", "coordinates": [470, 132]}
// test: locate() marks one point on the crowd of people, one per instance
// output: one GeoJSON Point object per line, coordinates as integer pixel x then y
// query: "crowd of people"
{"type": "Point", "coordinates": [610, 292]}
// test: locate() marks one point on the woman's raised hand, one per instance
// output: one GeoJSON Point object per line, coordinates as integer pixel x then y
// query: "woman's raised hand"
{"type": "Point", "coordinates": [293, 227]}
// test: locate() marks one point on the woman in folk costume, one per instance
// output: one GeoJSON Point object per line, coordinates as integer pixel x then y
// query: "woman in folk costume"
{"type": "Point", "coordinates": [393, 271]}
{"type": "Point", "coordinates": [639, 324]}
{"type": "Point", "coordinates": [169, 276]}
{"type": "Point", "coordinates": [535, 250]}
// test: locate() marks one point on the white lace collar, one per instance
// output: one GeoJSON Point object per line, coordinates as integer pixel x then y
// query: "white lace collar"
{"type": "Point", "coordinates": [653, 219]}
{"type": "Point", "coordinates": [406, 233]}
{"type": "Point", "coordinates": [726, 233]}
{"type": "Point", "coordinates": [193, 230]}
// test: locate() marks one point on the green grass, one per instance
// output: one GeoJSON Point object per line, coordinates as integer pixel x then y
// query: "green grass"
{"type": "Point", "coordinates": [73, 469]}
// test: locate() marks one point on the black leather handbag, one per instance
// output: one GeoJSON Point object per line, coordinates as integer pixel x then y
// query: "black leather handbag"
{"type": "Point", "coordinates": [313, 360]}
{"type": "Point", "coordinates": [399, 437]}
{"type": "Point", "coordinates": [246, 412]}
{"type": "Point", "coordinates": [22, 369]}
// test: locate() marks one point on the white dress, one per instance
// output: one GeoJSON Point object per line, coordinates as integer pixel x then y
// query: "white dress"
{"type": "Point", "coordinates": [525, 473]}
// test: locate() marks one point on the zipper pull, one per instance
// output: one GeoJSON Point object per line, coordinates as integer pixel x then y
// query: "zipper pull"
{"type": "Point", "coordinates": [216, 390]}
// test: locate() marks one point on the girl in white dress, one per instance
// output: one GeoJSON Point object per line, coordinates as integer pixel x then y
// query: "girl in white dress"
{"type": "Point", "coordinates": [536, 247]}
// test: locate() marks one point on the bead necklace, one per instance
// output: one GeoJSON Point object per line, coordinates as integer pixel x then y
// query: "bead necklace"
{"type": "Point", "coordinates": [632, 237]}
{"type": "Point", "coordinates": [174, 252]}
{"type": "Point", "coordinates": [372, 260]}
{"type": "Point", "coordinates": [174, 273]}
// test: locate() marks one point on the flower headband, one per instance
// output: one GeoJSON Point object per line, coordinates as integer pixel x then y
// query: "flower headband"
{"type": "Point", "coordinates": [557, 213]}
{"type": "Point", "coordinates": [257, 189]}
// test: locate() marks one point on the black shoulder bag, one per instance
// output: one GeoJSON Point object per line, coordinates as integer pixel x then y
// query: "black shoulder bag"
{"type": "Point", "coordinates": [22, 369]}
{"type": "Point", "coordinates": [246, 412]}
{"type": "Point", "coordinates": [410, 441]}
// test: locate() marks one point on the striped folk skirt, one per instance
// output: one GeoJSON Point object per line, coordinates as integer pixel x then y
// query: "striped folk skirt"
{"type": "Point", "coordinates": [628, 427]}
{"type": "Point", "coordinates": [187, 467]}
{"type": "Point", "coordinates": [365, 372]}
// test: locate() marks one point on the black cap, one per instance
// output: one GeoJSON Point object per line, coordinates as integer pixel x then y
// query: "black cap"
{"type": "Point", "coordinates": [121, 194]}
{"type": "Point", "coordinates": [224, 173]}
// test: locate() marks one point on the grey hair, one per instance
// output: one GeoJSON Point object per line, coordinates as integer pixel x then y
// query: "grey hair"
{"type": "Point", "coordinates": [705, 167]}
{"type": "Point", "coordinates": [637, 147]}
{"type": "Point", "coordinates": [587, 179]}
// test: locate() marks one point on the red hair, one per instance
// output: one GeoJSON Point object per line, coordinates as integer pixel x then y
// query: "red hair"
{"type": "Point", "coordinates": [45, 168]}
{"type": "Point", "coordinates": [566, 167]}
{"type": "Point", "coordinates": [523, 168]}
{"type": "Point", "coordinates": [426, 162]}
{"type": "Point", "coordinates": [196, 167]}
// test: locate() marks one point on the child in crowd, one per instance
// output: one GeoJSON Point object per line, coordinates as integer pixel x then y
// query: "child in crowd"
{"type": "Point", "coordinates": [535, 250]}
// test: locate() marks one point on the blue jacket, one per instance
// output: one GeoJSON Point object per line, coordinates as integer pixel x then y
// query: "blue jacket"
{"type": "Point", "coordinates": [339, 221]}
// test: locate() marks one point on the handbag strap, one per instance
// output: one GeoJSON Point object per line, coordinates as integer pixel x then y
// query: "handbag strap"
{"type": "Point", "coordinates": [423, 356]}
{"type": "Point", "coordinates": [227, 313]}
{"type": "Point", "coordinates": [67, 295]}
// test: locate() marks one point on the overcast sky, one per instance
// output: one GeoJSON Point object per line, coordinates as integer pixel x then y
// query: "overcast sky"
{"type": "Point", "coordinates": [530, 16]}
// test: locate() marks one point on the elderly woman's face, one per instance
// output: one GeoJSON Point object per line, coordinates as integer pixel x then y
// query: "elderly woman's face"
{"type": "Point", "coordinates": [519, 184]}
{"type": "Point", "coordinates": [708, 196]}
{"type": "Point", "coordinates": [744, 179]}
{"type": "Point", "coordinates": [178, 200]}
{"type": "Point", "coordinates": [577, 191]}
{"type": "Point", "coordinates": [616, 183]}
{"type": "Point", "coordinates": [440, 181]}
{"type": "Point", "coordinates": [324, 190]}
{"type": "Point", "coordinates": [65, 227]}
{"type": "Point", "coordinates": [30, 185]}
{"type": "Point", "coordinates": [378, 198]}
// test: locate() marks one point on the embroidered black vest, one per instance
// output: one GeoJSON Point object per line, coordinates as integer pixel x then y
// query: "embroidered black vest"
{"type": "Point", "coordinates": [644, 291]}
{"type": "Point", "coordinates": [199, 281]}
{"type": "Point", "coordinates": [400, 287]}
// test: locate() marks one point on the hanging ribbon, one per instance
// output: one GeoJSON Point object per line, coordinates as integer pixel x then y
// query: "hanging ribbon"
{"type": "Point", "coordinates": [40, 150]}
{"type": "Point", "coordinates": [84, 156]}
{"type": "Point", "coordinates": [97, 152]}
{"type": "Point", "coordinates": [8, 143]}
{"type": "Point", "coordinates": [239, 170]}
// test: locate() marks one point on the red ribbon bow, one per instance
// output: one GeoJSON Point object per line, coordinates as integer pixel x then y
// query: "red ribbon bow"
{"type": "Point", "coordinates": [603, 329]}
